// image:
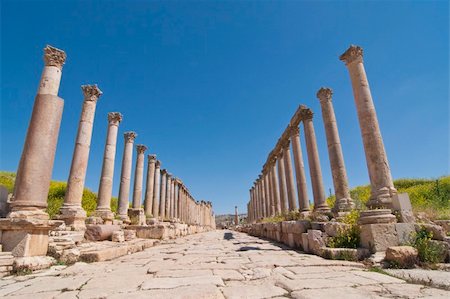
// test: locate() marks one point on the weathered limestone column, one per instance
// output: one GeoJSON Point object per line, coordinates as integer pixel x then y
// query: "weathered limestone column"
{"type": "Point", "coordinates": [172, 199]}
{"type": "Point", "coordinates": [236, 216]}
{"type": "Point", "coordinates": [289, 175]}
{"type": "Point", "coordinates": [157, 189]}
{"type": "Point", "coordinates": [267, 193]}
{"type": "Point", "coordinates": [106, 181]}
{"type": "Point", "coordinates": [382, 186]}
{"type": "Point", "coordinates": [125, 177]}
{"type": "Point", "coordinates": [162, 203]}
{"type": "Point", "coordinates": [344, 202]}
{"type": "Point", "coordinates": [71, 212]}
{"type": "Point", "coordinates": [138, 176]}
{"type": "Point", "coordinates": [315, 171]}
{"type": "Point", "coordinates": [257, 202]}
{"type": "Point", "coordinates": [302, 191]}
{"type": "Point", "coordinates": [263, 196]}
{"type": "Point", "coordinates": [276, 188]}
{"type": "Point", "coordinates": [150, 185]}
{"type": "Point", "coordinates": [168, 195]}
{"type": "Point", "coordinates": [36, 163]}
{"type": "Point", "coordinates": [282, 184]}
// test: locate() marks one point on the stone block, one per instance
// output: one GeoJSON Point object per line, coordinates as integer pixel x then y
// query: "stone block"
{"type": "Point", "coordinates": [129, 234]}
{"type": "Point", "coordinates": [70, 256]}
{"type": "Point", "coordinates": [100, 232]}
{"type": "Point", "coordinates": [26, 242]}
{"type": "Point", "coordinates": [305, 246]}
{"type": "Point", "coordinates": [137, 216]}
{"type": "Point", "coordinates": [347, 254]}
{"type": "Point", "coordinates": [118, 236]}
{"type": "Point", "coordinates": [436, 230]}
{"type": "Point", "coordinates": [378, 237]}
{"type": "Point", "coordinates": [94, 220]}
{"type": "Point", "coordinates": [33, 263]}
{"type": "Point", "coordinates": [316, 225]}
{"type": "Point", "coordinates": [445, 224]}
{"type": "Point", "coordinates": [333, 229]}
{"type": "Point", "coordinates": [405, 232]}
{"type": "Point", "coordinates": [402, 256]}
{"type": "Point", "coordinates": [402, 206]}
{"type": "Point", "coordinates": [315, 241]}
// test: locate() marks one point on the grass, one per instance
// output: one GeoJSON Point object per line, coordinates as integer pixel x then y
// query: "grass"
{"type": "Point", "coordinates": [56, 194]}
{"type": "Point", "coordinates": [430, 251]}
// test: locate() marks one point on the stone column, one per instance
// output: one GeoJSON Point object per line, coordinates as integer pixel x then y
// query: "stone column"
{"type": "Point", "coordinates": [36, 163]}
{"type": "Point", "coordinates": [236, 216]}
{"type": "Point", "coordinates": [106, 180]}
{"type": "Point", "coordinates": [150, 185]}
{"type": "Point", "coordinates": [263, 196]}
{"type": "Point", "coordinates": [267, 193]}
{"type": "Point", "coordinates": [162, 203]}
{"type": "Point", "coordinates": [382, 186]}
{"type": "Point", "coordinates": [138, 176]}
{"type": "Point", "coordinates": [72, 212]}
{"type": "Point", "coordinates": [289, 175]}
{"type": "Point", "coordinates": [315, 171]}
{"type": "Point", "coordinates": [276, 187]}
{"type": "Point", "coordinates": [168, 196]}
{"type": "Point", "coordinates": [282, 185]}
{"type": "Point", "coordinates": [302, 191]}
{"type": "Point", "coordinates": [344, 202]}
{"type": "Point", "coordinates": [172, 200]}
{"type": "Point", "coordinates": [125, 176]}
{"type": "Point", "coordinates": [157, 189]}
{"type": "Point", "coordinates": [271, 190]}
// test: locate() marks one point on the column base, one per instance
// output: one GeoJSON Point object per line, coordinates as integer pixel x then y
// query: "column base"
{"type": "Point", "coordinates": [381, 198]}
{"type": "Point", "coordinates": [376, 217]}
{"type": "Point", "coordinates": [323, 208]}
{"type": "Point", "coordinates": [137, 216]}
{"type": "Point", "coordinates": [26, 237]}
{"type": "Point", "coordinates": [74, 216]}
{"type": "Point", "coordinates": [343, 205]}
{"type": "Point", "coordinates": [124, 218]}
{"type": "Point", "coordinates": [28, 213]}
{"type": "Point", "coordinates": [106, 214]}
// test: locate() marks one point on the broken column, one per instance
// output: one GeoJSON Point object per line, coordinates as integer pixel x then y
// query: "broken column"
{"type": "Point", "coordinates": [125, 177]}
{"type": "Point", "coordinates": [315, 171]}
{"type": "Point", "coordinates": [382, 186]}
{"type": "Point", "coordinates": [343, 203]}
{"type": "Point", "coordinates": [103, 209]}
{"type": "Point", "coordinates": [150, 185]}
{"type": "Point", "coordinates": [25, 231]}
{"type": "Point", "coordinates": [71, 211]}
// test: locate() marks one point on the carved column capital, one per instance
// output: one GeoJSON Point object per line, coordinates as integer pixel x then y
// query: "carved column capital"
{"type": "Point", "coordinates": [151, 158]}
{"type": "Point", "coordinates": [353, 54]}
{"type": "Point", "coordinates": [285, 142]}
{"type": "Point", "coordinates": [294, 131]}
{"type": "Point", "coordinates": [130, 136]}
{"type": "Point", "coordinates": [54, 57]}
{"type": "Point", "coordinates": [324, 94]}
{"type": "Point", "coordinates": [114, 118]}
{"type": "Point", "coordinates": [306, 113]}
{"type": "Point", "coordinates": [91, 92]}
{"type": "Point", "coordinates": [158, 164]}
{"type": "Point", "coordinates": [163, 171]}
{"type": "Point", "coordinates": [169, 175]}
{"type": "Point", "coordinates": [140, 148]}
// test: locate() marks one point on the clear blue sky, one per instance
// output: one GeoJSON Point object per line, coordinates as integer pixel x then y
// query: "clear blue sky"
{"type": "Point", "coordinates": [210, 86]}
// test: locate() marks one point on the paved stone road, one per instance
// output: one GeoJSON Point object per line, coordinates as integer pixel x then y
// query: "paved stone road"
{"type": "Point", "coordinates": [214, 265]}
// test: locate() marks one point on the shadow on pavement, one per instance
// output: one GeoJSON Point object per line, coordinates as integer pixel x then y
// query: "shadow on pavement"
{"type": "Point", "coordinates": [228, 236]}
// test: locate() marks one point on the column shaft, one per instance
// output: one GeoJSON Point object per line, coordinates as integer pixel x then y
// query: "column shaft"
{"type": "Point", "coordinates": [157, 189]}
{"type": "Point", "coordinates": [125, 177]}
{"type": "Point", "coordinates": [150, 185]}
{"type": "Point", "coordinates": [282, 185]}
{"type": "Point", "coordinates": [302, 191]}
{"type": "Point", "coordinates": [289, 176]}
{"type": "Point", "coordinates": [138, 176]}
{"type": "Point", "coordinates": [162, 203]}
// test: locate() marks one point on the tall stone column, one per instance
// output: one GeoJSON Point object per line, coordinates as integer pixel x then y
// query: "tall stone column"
{"type": "Point", "coordinates": [344, 202]}
{"type": "Point", "coordinates": [276, 187]}
{"type": "Point", "coordinates": [72, 212]}
{"type": "Point", "coordinates": [172, 200]}
{"type": "Point", "coordinates": [168, 196]}
{"type": "Point", "coordinates": [290, 187]}
{"type": "Point", "coordinates": [106, 180]}
{"type": "Point", "coordinates": [125, 176]}
{"type": "Point", "coordinates": [36, 163]}
{"type": "Point", "coordinates": [263, 196]}
{"type": "Point", "coordinates": [138, 176]}
{"type": "Point", "coordinates": [150, 185]}
{"type": "Point", "coordinates": [382, 186]}
{"type": "Point", "coordinates": [257, 202]}
{"type": "Point", "coordinates": [302, 191]}
{"type": "Point", "coordinates": [267, 193]}
{"type": "Point", "coordinates": [162, 203]}
{"type": "Point", "coordinates": [282, 185]}
{"type": "Point", "coordinates": [236, 216]}
{"type": "Point", "coordinates": [157, 189]}
{"type": "Point", "coordinates": [315, 171]}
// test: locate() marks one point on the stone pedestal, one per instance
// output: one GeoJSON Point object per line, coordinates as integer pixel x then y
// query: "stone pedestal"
{"type": "Point", "coordinates": [378, 230]}
{"type": "Point", "coordinates": [26, 237]}
{"type": "Point", "coordinates": [137, 216]}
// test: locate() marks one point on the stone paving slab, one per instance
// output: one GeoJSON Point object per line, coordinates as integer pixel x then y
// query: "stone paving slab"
{"type": "Point", "coordinates": [207, 265]}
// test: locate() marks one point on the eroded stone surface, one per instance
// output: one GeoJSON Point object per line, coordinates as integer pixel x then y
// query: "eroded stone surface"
{"type": "Point", "coordinates": [207, 265]}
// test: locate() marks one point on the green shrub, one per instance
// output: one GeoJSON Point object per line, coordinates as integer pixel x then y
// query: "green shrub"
{"type": "Point", "coordinates": [7, 179]}
{"type": "Point", "coordinates": [430, 251]}
{"type": "Point", "coordinates": [349, 237]}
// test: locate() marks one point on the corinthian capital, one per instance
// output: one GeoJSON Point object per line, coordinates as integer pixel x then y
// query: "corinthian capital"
{"type": "Point", "coordinates": [140, 148]}
{"type": "Point", "coordinates": [151, 158]}
{"type": "Point", "coordinates": [306, 113]}
{"type": "Point", "coordinates": [324, 94]}
{"type": "Point", "coordinates": [114, 118]}
{"type": "Point", "coordinates": [294, 131]}
{"type": "Point", "coordinates": [54, 57]}
{"type": "Point", "coordinates": [91, 92]}
{"type": "Point", "coordinates": [158, 164]}
{"type": "Point", "coordinates": [353, 54]}
{"type": "Point", "coordinates": [130, 136]}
